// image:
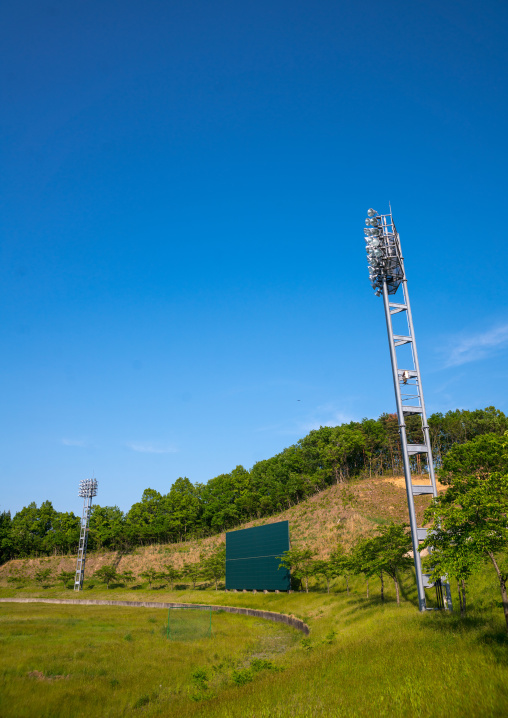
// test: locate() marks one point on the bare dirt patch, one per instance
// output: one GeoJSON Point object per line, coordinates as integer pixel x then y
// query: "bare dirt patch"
{"type": "Point", "coordinates": [40, 676]}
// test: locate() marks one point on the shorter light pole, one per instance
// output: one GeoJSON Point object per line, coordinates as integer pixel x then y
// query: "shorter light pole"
{"type": "Point", "coordinates": [87, 490]}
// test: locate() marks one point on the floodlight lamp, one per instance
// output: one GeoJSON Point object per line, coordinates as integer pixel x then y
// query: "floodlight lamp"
{"type": "Point", "coordinates": [88, 488]}
{"type": "Point", "coordinates": [371, 212]}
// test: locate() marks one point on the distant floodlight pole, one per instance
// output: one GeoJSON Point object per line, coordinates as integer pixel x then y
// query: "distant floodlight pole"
{"type": "Point", "coordinates": [386, 273]}
{"type": "Point", "coordinates": [87, 490]}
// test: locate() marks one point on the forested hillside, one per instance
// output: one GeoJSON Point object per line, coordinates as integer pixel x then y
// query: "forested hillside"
{"type": "Point", "coordinates": [326, 456]}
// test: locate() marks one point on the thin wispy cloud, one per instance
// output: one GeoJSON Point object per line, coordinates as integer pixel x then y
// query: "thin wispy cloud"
{"type": "Point", "coordinates": [75, 442]}
{"type": "Point", "coordinates": [325, 415]}
{"type": "Point", "coordinates": [477, 346]}
{"type": "Point", "coordinates": [150, 448]}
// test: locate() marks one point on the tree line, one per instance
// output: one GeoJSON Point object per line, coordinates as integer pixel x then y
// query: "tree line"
{"type": "Point", "coordinates": [326, 456]}
{"type": "Point", "coordinates": [384, 556]}
{"type": "Point", "coordinates": [468, 527]}
{"type": "Point", "coordinates": [211, 567]}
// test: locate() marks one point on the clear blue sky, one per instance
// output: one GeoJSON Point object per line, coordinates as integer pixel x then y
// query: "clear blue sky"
{"type": "Point", "coordinates": [182, 197]}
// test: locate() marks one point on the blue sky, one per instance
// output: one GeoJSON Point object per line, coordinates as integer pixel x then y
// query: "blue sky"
{"type": "Point", "coordinates": [182, 196]}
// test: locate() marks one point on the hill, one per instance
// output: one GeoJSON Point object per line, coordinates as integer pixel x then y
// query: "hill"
{"type": "Point", "coordinates": [339, 513]}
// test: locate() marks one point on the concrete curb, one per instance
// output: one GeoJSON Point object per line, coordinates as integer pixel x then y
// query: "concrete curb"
{"type": "Point", "coordinates": [268, 615]}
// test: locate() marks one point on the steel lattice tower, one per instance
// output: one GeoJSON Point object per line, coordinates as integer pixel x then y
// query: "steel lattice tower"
{"type": "Point", "coordinates": [87, 490]}
{"type": "Point", "coordinates": [387, 274]}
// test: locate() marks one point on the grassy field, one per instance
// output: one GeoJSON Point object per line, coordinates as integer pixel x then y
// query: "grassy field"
{"type": "Point", "coordinates": [362, 658]}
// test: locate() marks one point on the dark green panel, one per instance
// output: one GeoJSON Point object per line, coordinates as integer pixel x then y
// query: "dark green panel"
{"type": "Point", "coordinates": [253, 558]}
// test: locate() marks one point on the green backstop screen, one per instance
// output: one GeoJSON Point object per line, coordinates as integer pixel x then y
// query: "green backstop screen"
{"type": "Point", "coordinates": [253, 558]}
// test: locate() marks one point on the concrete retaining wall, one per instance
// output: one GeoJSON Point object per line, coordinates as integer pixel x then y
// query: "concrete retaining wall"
{"type": "Point", "coordinates": [268, 615]}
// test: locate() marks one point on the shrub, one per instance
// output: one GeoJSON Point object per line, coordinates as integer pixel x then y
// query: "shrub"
{"type": "Point", "coordinates": [243, 676]}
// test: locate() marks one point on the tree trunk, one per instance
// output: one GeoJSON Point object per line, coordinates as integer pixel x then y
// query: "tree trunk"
{"type": "Point", "coordinates": [462, 611]}
{"type": "Point", "coordinates": [382, 587]}
{"type": "Point", "coordinates": [463, 604]}
{"type": "Point", "coordinates": [397, 590]}
{"type": "Point", "coordinates": [502, 584]}
{"type": "Point", "coordinates": [327, 585]}
{"type": "Point", "coordinates": [306, 584]}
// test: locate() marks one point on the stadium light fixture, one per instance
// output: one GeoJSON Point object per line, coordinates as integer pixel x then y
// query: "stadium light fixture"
{"type": "Point", "coordinates": [87, 490]}
{"type": "Point", "coordinates": [386, 275]}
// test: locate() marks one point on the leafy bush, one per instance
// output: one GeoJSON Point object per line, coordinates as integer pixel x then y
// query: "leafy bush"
{"type": "Point", "coordinates": [242, 676]}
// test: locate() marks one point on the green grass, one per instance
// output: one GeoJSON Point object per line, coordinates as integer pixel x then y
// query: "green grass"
{"type": "Point", "coordinates": [106, 661]}
{"type": "Point", "coordinates": [362, 658]}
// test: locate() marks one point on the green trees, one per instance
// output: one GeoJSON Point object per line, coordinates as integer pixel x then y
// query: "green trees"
{"type": "Point", "coordinates": [39, 531]}
{"type": "Point", "coordinates": [214, 565]}
{"type": "Point", "coordinates": [300, 562]}
{"type": "Point", "coordinates": [127, 576]}
{"type": "Point", "coordinates": [347, 450]}
{"type": "Point", "coordinates": [6, 548]}
{"type": "Point", "coordinates": [325, 456]}
{"type": "Point", "coordinates": [107, 574]}
{"type": "Point", "coordinates": [337, 564]}
{"type": "Point", "coordinates": [384, 554]}
{"type": "Point", "coordinates": [183, 508]}
{"type": "Point", "coordinates": [146, 522]}
{"type": "Point", "coordinates": [480, 456]}
{"type": "Point", "coordinates": [326, 569]}
{"type": "Point", "coordinates": [365, 559]}
{"type": "Point", "coordinates": [43, 575]}
{"type": "Point", "coordinates": [63, 536]}
{"type": "Point", "coordinates": [470, 520]}
{"type": "Point", "coordinates": [193, 572]}
{"type": "Point", "coordinates": [30, 527]}
{"type": "Point", "coordinates": [107, 527]}
{"type": "Point", "coordinates": [392, 545]}
{"type": "Point", "coordinates": [66, 577]}
{"type": "Point", "coordinates": [341, 564]}
{"type": "Point", "coordinates": [150, 574]}
{"type": "Point", "coordinates": [170, 574]}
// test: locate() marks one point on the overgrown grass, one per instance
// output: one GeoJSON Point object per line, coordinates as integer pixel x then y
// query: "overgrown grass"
{"type": "Point", "coordinates": [362, 657]}
{"type": "Point", "coordinates": [107, 661]}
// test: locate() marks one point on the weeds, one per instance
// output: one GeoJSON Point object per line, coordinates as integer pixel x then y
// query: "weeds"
{"type": "Point", "coordinates": [242, 676]}
{"type": "Point", "coordinates": [354, 663]}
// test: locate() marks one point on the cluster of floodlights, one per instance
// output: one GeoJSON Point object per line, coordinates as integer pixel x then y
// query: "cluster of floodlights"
{"type": "Point", "coordinates": [88, 488]}
{"type": "Point", "coordinates": [375, 254]}
{"type": "Point", "coordinates": [383, 252]}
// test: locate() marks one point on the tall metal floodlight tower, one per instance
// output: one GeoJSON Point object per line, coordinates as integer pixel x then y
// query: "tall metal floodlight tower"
{"type": "Point", "coordinates": [386, 272]}
{"type": "Point", "coordinates": [87, 490]}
